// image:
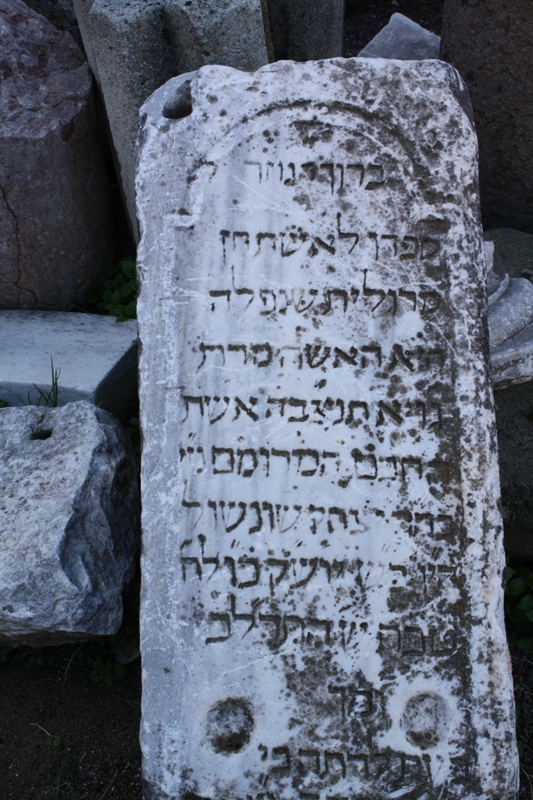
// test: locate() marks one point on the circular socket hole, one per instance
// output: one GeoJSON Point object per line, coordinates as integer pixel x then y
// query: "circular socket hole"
{"type": "Point", "coordinates": [229, 725]}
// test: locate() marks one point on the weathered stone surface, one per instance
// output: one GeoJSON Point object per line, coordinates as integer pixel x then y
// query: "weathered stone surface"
{"type": "Point", "coordinates": [96, 358]}
{"type": "Point", "coordinates": [511, 312]}
{"type": "Point", "coordinates": [404, 39]}
{"type": "Point", "coordinates": [510, 305]}
{"type": "Point", "coordinates": [134, 48]}
{"type": "Point", "coordinates": [322, 602]}
{"type": "Point", "coordinates": [514, 417]}
{"type": "Point", "coordinates": [60, 13]}
{"type": "Point", "coordinates": [69, 523]}
{"type": "Point", "coordinates": [55, 223]}
{"type": "Point", "coordinates": [489, 43]}
{"type": "Point", "coordinates": [513, 251]}
{"type": "Point", "coordinates": [305, 30]}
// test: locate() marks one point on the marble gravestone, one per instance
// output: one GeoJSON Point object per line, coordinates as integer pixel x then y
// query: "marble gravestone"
{"type": "Point", "coordinates": [322, 605]}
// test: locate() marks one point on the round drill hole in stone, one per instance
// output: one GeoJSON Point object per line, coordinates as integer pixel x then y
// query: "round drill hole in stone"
{"type": "Point", "coordinates": [229, 725]}
{"type": "Point", "coordinates": [425, 720]}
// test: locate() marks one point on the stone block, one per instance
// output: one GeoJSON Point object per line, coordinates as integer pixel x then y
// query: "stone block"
{"type": "Point", "coordinates": [513, 251]}
{"type": "Point", "coordinates": [96, 358]}
{"type": "Point", "coordinates": [490, 44]}
{"type": "Point", "coordinates": [514, 416]}
{"type": "Point", "coordinates": [69, 523]}
{"type": "Point", "coordinates": [322, 608]}
{"type": "Point", "coordinates": [404, 39]}
{"type": "Point", "coordinates": [134, 48]}
{"type": "Point", "coordinates": [55, 219]}
{"type": "Point", "coordinates": [510, 306]}
{"type": "Point", "coordinates": [61, 14]}
{"type": "Point", "coordinates": [306, 30]}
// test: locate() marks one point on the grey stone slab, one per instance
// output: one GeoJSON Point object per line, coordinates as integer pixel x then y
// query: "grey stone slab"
{"type": "Point", "coordinates": [306, 30]}
{"type": "Point", "coordinates": [489, 43]}
{"type": "Point", "coordinates": [513, 251]}
{"type": "Point", "coordinates": [404, 39]}
{"type": "Point", "coordinates": [134, 47]}
{"type": "Point", "coordinates": [95, 355]}
{"type": "Point", "coordinates": [514, 417]}
{"type": "Point", "coordinates": [55, 214]}
{"type": "Point", "coordinates": [61, 14]}
{"type": "Point", "coordinates": [512, 360]}
{"type": "Point", "coordinates": [510, 305]}
{"type": "Point", "coordinates": [69, 523]}
{"type": "Point", "coordinates": [322, 610]}
{"type": "Point", "coordinates": [512, 312]}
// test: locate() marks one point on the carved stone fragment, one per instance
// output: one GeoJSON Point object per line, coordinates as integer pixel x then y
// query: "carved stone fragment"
{"type": "Point", "coordinates": [322, 609]}
{"type": "Point", "coordinates": [69, 523]}
{"type": "Point", "coordinates": [404, 39]}
{"type": "Point", "coordinates": [55, 217]}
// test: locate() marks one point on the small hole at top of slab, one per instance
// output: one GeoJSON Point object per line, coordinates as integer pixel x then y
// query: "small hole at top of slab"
{"type": "Point", "coordinates": [180, 105]}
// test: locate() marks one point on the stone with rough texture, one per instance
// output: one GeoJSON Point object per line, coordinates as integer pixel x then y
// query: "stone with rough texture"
{"type": "Point", "coordinates": [69, 523]}
{"type": "Point", "coordinates": [96, 358]}
{"type": "Point", "coordinates": [60, 13]}
{"type": "Point", "coordinates": [404, 39]}
{"type": "Point", "coordinates": [511, 312]}
{"type": "Point", "coordinates": [134, 47]}
{"type": "Point", "coordinates": [55, 222]}
{"type": "Point", "coordinates": [490, 44]}
{"type": "Point", "coordinates": [306, 30]}
{"type": "Point", "coordinates": [510, 306]}
{"type": "Point", "coordinates": [514, 417]}
{"type": "Point", "coordinates": [513, 251]}
{"type": "Point", "coordinates": [322, 610]}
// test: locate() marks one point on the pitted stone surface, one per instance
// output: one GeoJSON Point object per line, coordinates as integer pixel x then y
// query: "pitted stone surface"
{"type": "Point", "coordinates": [69, 523]}
{"type": "Point", "coordinates": [322, 606]}
{"type": "Point", "coordinates": [55, 217]}
{"type": "Point", "coordinates": [95, 357]}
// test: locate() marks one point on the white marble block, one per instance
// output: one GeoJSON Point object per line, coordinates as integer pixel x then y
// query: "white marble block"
{"type": "Point", "coordinates": [69, 523]}
{"type": "Point", "coordinates": [322, 610]}
{"type": "Point", "coordinates": [94, 355]}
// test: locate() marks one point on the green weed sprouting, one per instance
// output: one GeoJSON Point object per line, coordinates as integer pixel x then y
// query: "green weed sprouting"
{"type": "Point", "coordinates": [50, 398]}
{"type": "Point", "coordinates": [119, 294]}
{"type": "Point", "coordinates": [133, 432]}
{"type": "Point", "coordinates": [519, 602]}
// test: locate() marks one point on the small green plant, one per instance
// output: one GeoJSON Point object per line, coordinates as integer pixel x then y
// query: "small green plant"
{"type": "Point", "coordinates": [53, 741]}
{"type": "Point", "coordinates": [49, 398]}
{"type": "Point", "coordinates": [519, 602]}
{"type": "Point", "coordinates": [133, 431]}
{"type": "Point", "coordinates": [119, 294]}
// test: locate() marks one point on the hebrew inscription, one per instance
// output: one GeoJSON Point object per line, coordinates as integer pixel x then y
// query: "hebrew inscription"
{"type": "Point", "coordinates": [322, 589]}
